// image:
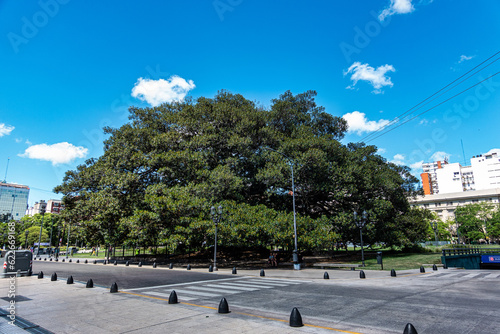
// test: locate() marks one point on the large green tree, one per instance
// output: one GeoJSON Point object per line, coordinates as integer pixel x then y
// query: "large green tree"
{"type": "Point", "coordinates": [161, 172]}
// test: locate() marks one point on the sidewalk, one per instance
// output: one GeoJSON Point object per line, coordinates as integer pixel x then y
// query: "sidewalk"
{"type": "Point", "coordinates": [61, 308]}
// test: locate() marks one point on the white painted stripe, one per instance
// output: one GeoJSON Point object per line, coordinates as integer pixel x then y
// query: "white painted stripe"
{"type": "Point", "coordinates": [250, 285]}
{"type": "Point", "coordinates": [268, 283]}
{"type": "Point", "coordinates": [197, 293]}
{"type": "Point", "coordinates": [211, 289]}
{"type": "Point", "coordinates": [178, 284]}
{"type": "Point", "coordinates": [292, 281]}
{"type": "Point", "coordinates": [167, 295]}
{"type": "Point", "coordinates": [471, 275]}
{"type": "Point", "coordinates": [227, 286]}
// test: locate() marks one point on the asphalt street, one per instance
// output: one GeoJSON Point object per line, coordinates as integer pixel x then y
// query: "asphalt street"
{"type": "Point", "coordinates": [445, 301]}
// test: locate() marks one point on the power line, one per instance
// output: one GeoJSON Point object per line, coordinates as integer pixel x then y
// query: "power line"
{"type": "Point", "coordinates": [437, 105]}
{"type": "Point", "coordinates": [422, 104]}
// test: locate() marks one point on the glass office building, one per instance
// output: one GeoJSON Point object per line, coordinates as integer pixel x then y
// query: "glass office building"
{"type": "Point", "coordinates": [13, 201]}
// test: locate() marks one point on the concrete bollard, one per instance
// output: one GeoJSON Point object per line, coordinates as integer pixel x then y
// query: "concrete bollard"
{"type": "Point", "coordinates": [223, 306]}
{"type": "Point", "coordinates": [262, 273]}
{"type": "Point", "coordinates": [234, 272]}
{"type": "Point", "coordinates": [171, 266]}
{"type": "Point", "coordinates": [210, 268]}
{"type": "Point", "coordinates": [172, 299]}
{"type": "Point", "coordinates": [70, 280]}
{"type": "Point", "coordinates": [40, 274]}
{"type": "Point", "coordinates": [393, 273]}
{"type": "Point", "coordinates": [434, 267]}
{"type": "Point", "coordinates": [53, 277]}
{"type": "Point", "coordinates": [326, 276]}
{"type": "Point", "coordinates": [422, 269]}
{"type": "Point", "coordinates": [189, 267]}
{"type": "Point", "coordinates": [362, 274]}
{"type": "Point", "coordinates": [296, 318]}
{"type": "Point", "coordinates": [90, 283]}
{"type": "Point", "coordinates": [114, 288]}
{"type": "Point", "coordinates": [409, 329]}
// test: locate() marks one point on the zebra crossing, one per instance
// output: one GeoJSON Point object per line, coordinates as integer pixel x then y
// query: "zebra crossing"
{"type": "Point", "coordinates": [465, 275]}
{"type": "Point", "coordinates": [215, 288]}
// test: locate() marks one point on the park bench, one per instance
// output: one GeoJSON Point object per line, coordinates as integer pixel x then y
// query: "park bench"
{"type": "Point", "coordinates": [336, 265]}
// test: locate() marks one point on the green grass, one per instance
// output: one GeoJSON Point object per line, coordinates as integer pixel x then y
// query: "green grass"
{"type": "Point", "coordinates": [403, 261]}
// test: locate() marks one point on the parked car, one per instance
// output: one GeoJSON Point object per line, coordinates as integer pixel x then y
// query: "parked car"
{"type": "Point", "coordinates": [14, 261]}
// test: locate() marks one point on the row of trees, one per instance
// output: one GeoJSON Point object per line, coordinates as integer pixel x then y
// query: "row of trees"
{"type": "Point", "coordinates": [162, 171]}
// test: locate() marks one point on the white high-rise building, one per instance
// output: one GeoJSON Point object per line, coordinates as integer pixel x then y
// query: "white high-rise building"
{"type": "Point", "coordinates": [441, 177]}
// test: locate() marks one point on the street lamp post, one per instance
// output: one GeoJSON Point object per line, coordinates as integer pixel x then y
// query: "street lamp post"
{"type": "Point", "coordinates": [12, 209]}
{"type": "Point", "coordinates": [296, 263]}
{"type": "Point", "coordinates": [217, 218]}
{"type": "Point", "coordinates": [67, 244]}
{"type": "Point", "coordinates": [434, 227]}
{"type": "Point", "coordinates": [43, 207]}
{"type": "Point", "coordinates": [26, 243]}
{"type": "Point", "coordinates": [360, 223]}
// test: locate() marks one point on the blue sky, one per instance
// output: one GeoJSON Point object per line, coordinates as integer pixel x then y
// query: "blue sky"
{"type": "Point", "coordinates": [72, 67]}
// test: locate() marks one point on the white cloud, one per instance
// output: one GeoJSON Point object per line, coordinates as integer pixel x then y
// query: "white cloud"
{"type": "Point", "coordinates": [357, 122]}
{"type": "Point", "coordinates": [60, 153]}
{"type": "Point", "coordinates": [464, 58]}
{"type": "Point", "coordinates": [397, 7]}
{"type": "Point", "coordinates": [494, 150]}
{"type": "Point", "coordinates": [5, 130]}
{"type": "Point", "coordinates": [440, 156]}
{"type": "Point", "coordinates": [417, 165]}
{"type": "Point", "coordinates": [381, 150]}
{"type": "Point", "coordinates": [156, 92]}
{"type": "Point", "coordinates": [376, 77]}
{"type": "Point", "coordinates": [398, 159]}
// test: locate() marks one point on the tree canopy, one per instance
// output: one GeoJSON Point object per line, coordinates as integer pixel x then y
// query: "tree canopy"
{"type": "Point", "coordinates": [162, 171]}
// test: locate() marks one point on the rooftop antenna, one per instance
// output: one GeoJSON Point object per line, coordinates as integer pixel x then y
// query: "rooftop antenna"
{"type": "Point", "coordinates": [6, 170]}
{"type": "Point", "coordinates": [463, 152]}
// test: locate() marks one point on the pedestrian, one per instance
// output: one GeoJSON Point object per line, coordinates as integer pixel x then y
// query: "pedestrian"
{"type": "Point", "coordinates": [93, 251]}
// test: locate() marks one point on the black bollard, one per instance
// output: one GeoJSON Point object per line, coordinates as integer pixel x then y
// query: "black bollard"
{"type": "Point", "coordinates": [434, 267]}
{"type": "Point", "coordinates": [50, 259]}
{"type": "Point", "coordinates": [393, 273]}
{"type": "Point", "coordinates": [114, 288]}
{"type": "Point", "coordinates": [105, 262]}
{"type": "Point", "coordinates": [172, 299]}
{"type": "Point", "coordinates": [362, 274]}
{"type": "Point", "coordinates": [95, 261]}
{"type": "Point", "coordinates": [127, 264]}
{"type": "Point", "coordinates": [409, 329]}
{"type": "Point", "coordinates": [171, 266]}
{"type": "Point", "coordinates": [296, 318]}
{"type": "Point", "coordinates": [70, 280]}
{"type": "Point", "coordinates": [115, 263]}
{"type": "Point", "coordinates": [56, 259]}
{"type": "Point", "coordinates": [30, 272]}
{"type": "Point", "coordinates": [68, 260]}
{"type": "Point", "coordinates": [90, 283]}
{"type": "Point", "coordinates": [154, 264]}
{"type": "Point", "coordinates": [140, 264]}
{"type": "Point", "coordinates": [40, 274]}
{"type": "Point", "coordinates": [422, 269]}
{"type": "Point", "coordinates": [45, 259]}
{"type": "Point", "coordinates": [189, 267]}
{"type": "Point", "coordinates": [53, 277]}
{"type": "Point", "coordinates": [262, 273]}
{"type": "Point", "coordinates": [77, 261]}
{"type": "Point", "coordinates": [210, 269]}
{"type": "Point", "coordinates": [326, 276]}
{"type": "Point", "coordinates": [234, 272]}
{"type": "Point", "coordinates": [62, 260]}
{"type": "Point", "coordinates": [223, 307]}
{"type": "Point", "coordinates": [86, 261]}
{"type": "Point", "coordinates": [445, 266]}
